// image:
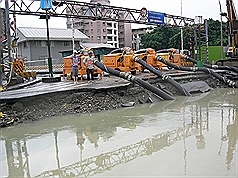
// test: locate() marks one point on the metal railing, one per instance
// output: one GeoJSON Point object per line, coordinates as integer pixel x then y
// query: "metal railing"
{"type": "Point", "coordinates": [42, 65]}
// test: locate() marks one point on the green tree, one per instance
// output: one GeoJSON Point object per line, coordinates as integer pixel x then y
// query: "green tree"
{"type": "Point", "coordinates": [163, 37]}
{"type": "Point", "coordinates": [214, 33]}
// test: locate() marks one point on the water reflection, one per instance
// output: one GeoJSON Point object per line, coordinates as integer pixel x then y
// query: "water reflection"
{"type": "Point", "coordinates": [87, 145]}
{"type": "Point", "coordinates": [232, 135]}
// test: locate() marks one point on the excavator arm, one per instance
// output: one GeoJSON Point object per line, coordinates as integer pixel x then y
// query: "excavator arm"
{"type": "Point", "coordinates": [232, 25]}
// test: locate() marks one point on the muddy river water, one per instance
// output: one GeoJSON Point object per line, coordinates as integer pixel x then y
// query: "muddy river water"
{"type": "Point", "coordinates": [188, 137]}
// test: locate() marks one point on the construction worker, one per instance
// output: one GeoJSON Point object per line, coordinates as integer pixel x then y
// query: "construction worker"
{"type": "Point", "coordinates": [75, 62]}
{"type": "Point", "coordinates": [89, 63]}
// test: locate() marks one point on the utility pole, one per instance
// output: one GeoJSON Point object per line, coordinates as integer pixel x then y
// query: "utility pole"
{"type": "Point", "coordinates": [221, 31]}
{"type": "Point", "coordinates": [181, 29]}
{"type": "Point", "coordinates": [207, 45]}
{"type": "Point", "coordinates": [8, 34]}
{"type": "Point", "coordinates": [73, 42]}
{"type": "Point", "coordinates": [47, 5]}
{"type": "Point", "coordinates": [48, 44]}
{"type": "Point", "coordinates": [1, 52]}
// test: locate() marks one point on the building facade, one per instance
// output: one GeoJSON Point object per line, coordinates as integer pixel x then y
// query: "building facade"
{"type": "Point", "coordinates": [32, 43]}
{"type": "Point", "coordinates": [117, 34]}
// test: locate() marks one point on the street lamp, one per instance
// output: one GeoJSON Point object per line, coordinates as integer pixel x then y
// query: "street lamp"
{"type": "Point", "coordinates": [47, 5]}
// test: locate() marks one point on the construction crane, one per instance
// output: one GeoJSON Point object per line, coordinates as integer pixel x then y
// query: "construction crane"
{"type": "Point", "coordinates": [232, 28]}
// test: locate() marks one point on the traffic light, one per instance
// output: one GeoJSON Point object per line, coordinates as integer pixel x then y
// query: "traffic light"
{"type": "Point", "coordinates": [46, 4]}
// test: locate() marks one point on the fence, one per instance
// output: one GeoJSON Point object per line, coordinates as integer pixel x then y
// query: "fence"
{"type": "Point", "coordinates": [42, 65]}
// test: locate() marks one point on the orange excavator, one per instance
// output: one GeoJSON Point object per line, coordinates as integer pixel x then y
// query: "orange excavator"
{"type": "Point", "coordinates": [232, 26]}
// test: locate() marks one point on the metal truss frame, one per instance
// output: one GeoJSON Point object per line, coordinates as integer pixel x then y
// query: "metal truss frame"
{"type": "Point", "coordinates": [83, 10]}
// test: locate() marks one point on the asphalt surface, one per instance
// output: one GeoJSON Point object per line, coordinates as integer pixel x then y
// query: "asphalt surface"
{"type": "Point", "coordinates": [37, 87]}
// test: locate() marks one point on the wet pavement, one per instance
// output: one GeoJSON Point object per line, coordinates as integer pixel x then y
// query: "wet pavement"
{"type": "Point", "coordinates": [37, 87]}
{"type": "Point", "coordinates": [188, 137]}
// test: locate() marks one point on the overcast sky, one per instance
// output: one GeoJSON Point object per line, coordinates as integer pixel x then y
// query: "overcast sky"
{"type": "Point", "coordinates": [190, 8]}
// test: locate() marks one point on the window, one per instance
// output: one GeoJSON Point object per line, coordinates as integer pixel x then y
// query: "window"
{"type": "Point", "coordinates": [66, 43]}
{"type": "Point", "coordinates": [25, 44]}
{"type": "Point", "coordinates": [52, 43]}
{"type": "Point", "coordinates": [41, 43]}
{"type": "Point", "coordinates": [109, 38]}
{"type": "Point", "coordinates": [109, 24]}
{"type": "Point", "coordinates": [98, 37]}
{"type": "Point", "coordinates": [98, 30]}
{"type": "Point", "coordinates": [38, 43]}
{"type": "Point", "coordinates": [109, 31]}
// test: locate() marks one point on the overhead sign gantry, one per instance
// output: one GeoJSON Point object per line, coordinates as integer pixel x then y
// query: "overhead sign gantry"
{"type": "Point", "coordinates": [93, 11]}
{"type": "Point", "coordinates": [83, 10]}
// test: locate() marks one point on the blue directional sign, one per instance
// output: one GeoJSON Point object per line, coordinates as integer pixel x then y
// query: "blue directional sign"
{"type": "Point", "coordinates": [46, 4]}
{"type": "Point", "coordinates": [156, 17]}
